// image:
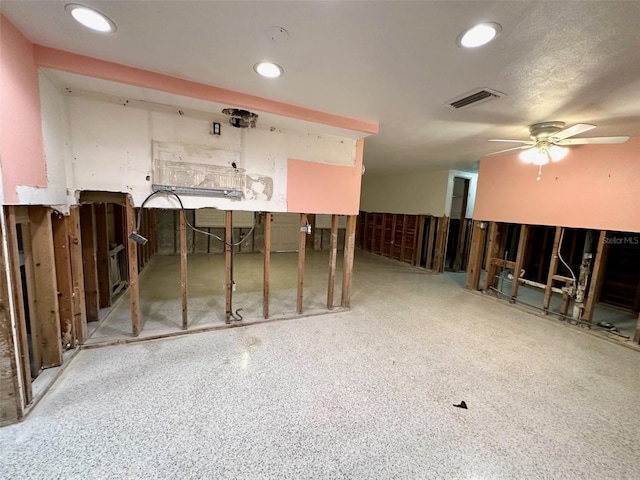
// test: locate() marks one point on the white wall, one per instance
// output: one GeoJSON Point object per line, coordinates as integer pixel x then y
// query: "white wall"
{"type": "Point", "coordinates": [98, 142]}
{"type": "Point", "coordinates": [416, 193]}
{"type": "Point", "coordinates": [55, 133]}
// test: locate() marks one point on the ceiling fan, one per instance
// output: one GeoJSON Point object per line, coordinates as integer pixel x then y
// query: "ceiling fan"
{"type": "Point", "coordinates": [548, 139]}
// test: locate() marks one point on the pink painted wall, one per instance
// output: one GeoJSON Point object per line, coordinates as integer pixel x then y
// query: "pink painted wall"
{"type": "Point", "coordinates": [595, 186]}
{"type": "Point", "coordinates": [322, 188]}
{"type": "Point", "coordinates": [21, 143]}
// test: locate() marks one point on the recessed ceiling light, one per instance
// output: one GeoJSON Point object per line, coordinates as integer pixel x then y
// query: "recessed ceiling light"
{"type": "Point", "coordinates": [479, 35]}
{"type": "Point", "coordinates": [90, 18]}
{"type": "Point", "coordinates": [268, 69]}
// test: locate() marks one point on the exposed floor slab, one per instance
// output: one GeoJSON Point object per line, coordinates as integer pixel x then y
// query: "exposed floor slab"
{"type": "Point", "coordinates": [364, 394]}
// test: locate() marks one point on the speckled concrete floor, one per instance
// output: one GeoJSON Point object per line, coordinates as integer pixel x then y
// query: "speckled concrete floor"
{"type": "Point", "coordinates": [161, 302]}
{"type": "Point", "coordinates": [363, 394]}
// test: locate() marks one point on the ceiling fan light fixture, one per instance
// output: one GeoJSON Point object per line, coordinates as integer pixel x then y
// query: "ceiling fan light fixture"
{"type": "Point", "coordinates": [557, 153]}
{"type": "Point", "coordinates": [479, 35]}
{"type": "Point", "coordinates": [268, 69]}
{"type": "Point", "coordinates": [90, 18]}
{"type": "Point", "coordinates": [535, 156]}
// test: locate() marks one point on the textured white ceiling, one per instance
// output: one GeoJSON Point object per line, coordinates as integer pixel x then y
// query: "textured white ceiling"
{"type": "Point", "coordinates": [393, 62]}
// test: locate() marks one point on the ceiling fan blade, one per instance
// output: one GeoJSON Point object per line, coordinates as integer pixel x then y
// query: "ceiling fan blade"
{"type": "Point", "coordinates": [571, 131]}
{"type": "Point", "coordinates": [507, 150]}
{"type": "Point", "coordinates": [591, 141]}
{"type": "Point", "coordinates": [510, 141]}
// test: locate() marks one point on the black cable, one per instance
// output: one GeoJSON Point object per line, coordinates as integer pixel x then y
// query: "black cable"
{"type": "Point", "coordinates": [184, 213]}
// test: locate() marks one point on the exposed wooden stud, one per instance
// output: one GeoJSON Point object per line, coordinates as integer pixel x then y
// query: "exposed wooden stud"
{"type": "Point", "coordinates": [441, 244]}
{"type": "Point", "coordinates": [382, 233]}
{"type": "Point", "coordinates": [13, 261]}
{"type": "Point", "coordinates": [267, 265]}
{"type": "Point", "coordinates": [30, 274]}
{"type": "Point", "coordinates": [403, 241]}
{"type": "Point", "coordinates": [77, 273]}
{"type": "Point", "coordinates": [476, 252]}
{"type": "Point", "coordinates": [564, 307]}
{"type": "Point", "coordinates": [347, 267]}
{"type": "Point", "coordinates": [10, 403]}
{"type": "Point", "coordinates": [132, 254]}
{"type": "Point", "coordinates": [301, 257]}
{"type": "Point", "coordinates": [46, 287]}
{"type": "Point", "coordinates": [62, 254]}
{"type": "Point", "coordinates": [102, 255]}
{"type": "Point", "coordinates": [392, 241]}
{"type": "Point", "coordinates": [492, 252]}
{"type": "Point", "coordinates": [228, 235]}
{"type": "Point", "coordinates": [419, 239]}
{"type": "Point", "coordinates": [522, 243]}
{"type": "Point", "coordinates": [597, 276]}
{"type": "Point", "coordinates": [431, 242]}
{"type": "Point", "coordinates": [553, 267]}
{"type": "Point", "coordinates": [89, 261]}
{"type": "Point", "coordinates": [333, 256]}
{"type": "Point", "coordinates": [183, 269]}
{"type": "Point", "coordinates": [457, 263]}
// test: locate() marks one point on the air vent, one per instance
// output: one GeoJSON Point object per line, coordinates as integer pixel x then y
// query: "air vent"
{"type": "Point", "coordinates": [474, 98]}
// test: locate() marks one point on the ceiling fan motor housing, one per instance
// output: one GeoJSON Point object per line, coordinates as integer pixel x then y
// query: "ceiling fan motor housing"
{"type": "Point", "coordinates": [539, 131]}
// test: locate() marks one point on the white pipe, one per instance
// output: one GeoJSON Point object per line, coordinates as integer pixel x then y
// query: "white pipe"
{"type": "Point", "coordinates": [539, 285]}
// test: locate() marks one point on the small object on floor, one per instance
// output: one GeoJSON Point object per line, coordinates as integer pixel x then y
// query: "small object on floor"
{"type": "Point", "coordinates": [462, 404]}
{"type": "Point", "coordinates": [608, 326]}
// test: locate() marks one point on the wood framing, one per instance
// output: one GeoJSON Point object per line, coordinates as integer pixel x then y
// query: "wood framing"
{"type": "Point", "coordinates": [462, 231]}
{"type": "Point", "coordinates": [228, 254]}
{"type": "Point", "coordinates": [347, 268]}
{"type": "Point", "coordinates": [46, 303]}
{"type": "Point", "coordinates": [404, 236]}
{"type": "Point", "coordinates": [132, 256]}
{"type": "Point", "coordinates": [102, 255]}
{"type": "Point", "coordinates": [441, 244]}
{"type": "Point", "coordinates": [13, 261]}
{"type": "Point", "coordinates": [636, 336]}
{"type": "Point", "coordinates": [89, 261]}
{"type": "Point", "coordinates": [418, 240]}
{"type": "Point", "coordinates": [301, 257]}
{"type": "Point", "coordinates": [77, 277]}
{"type": "Point", "coordinates": [431, 242]}
{"type": "Point", "coordinates": [476, 255]}
{"type": "Point", "coordinates": [10, 405]}
{"type": "Point", "coordinates": [333, 256]}
{"type": "Point", "coordinates": [522, 244]}
{"type": "Point", "coordinates": [267, 265]}
{"type": "Point", "coordinates": [382, 232]}
{"type": "Point", "coordinates": [553, 267]}
{"type": "Point", "coordinates": [492, 252]}
{"type": "Point", "coordinates": [596, 276]}
{"type": "Point", "coordinates": [29, 271]}
{"type": "Point", "coordinates": [183, 269]}
{"type": "Point", "coordinates": [62, 253]}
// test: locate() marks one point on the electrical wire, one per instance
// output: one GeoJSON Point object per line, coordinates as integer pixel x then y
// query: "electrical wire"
{"type": "Point", "coordinates": [184, 214]}
{"type": "Point", "coordinates": [562, 259]}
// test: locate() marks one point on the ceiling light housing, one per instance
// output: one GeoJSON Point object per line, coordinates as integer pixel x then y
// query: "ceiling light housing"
{"type": "Point", "coordinates": [543, 153]}
{"type": "Point", "coordinates": [479, 35]}
{"type": "Point", "coordinates": [268, 69]}
{"type": "Point", "coordinates": [90, 18]}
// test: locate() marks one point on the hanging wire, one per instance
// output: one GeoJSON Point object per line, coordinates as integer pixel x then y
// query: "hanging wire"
{"type": "Point", "coordinates": [184, 214]}
{"type": "Point", "coordinates": [562, 259]}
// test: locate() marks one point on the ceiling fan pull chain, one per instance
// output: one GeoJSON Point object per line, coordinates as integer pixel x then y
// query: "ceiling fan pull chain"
{"type": "Point", "coordinates": [539, 173]}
